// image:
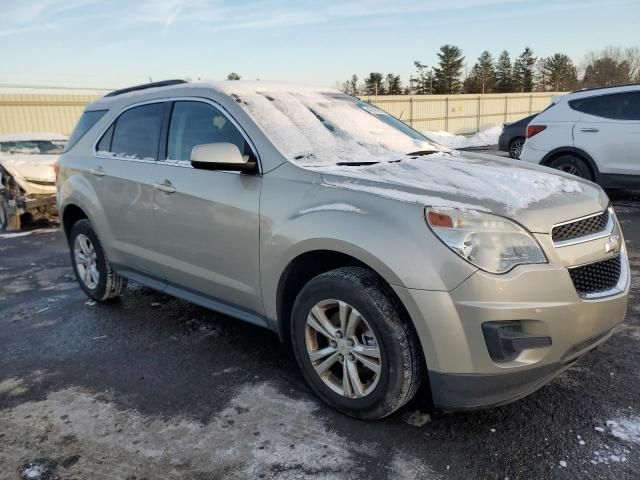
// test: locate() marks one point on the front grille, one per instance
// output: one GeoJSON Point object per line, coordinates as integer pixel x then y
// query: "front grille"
{"type": "Point", "coordinates": [596, 277]}
{"type": "Point", "coordinates": [580, 228]}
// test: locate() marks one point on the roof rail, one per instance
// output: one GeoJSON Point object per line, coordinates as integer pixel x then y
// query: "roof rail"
{"type": "Point", "coordinates": [635, 84]}
{"type": "Point", "coordinates": [164, 83]}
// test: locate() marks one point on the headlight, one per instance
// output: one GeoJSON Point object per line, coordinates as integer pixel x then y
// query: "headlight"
{"type": "Point", "coordinates": [492, 243]}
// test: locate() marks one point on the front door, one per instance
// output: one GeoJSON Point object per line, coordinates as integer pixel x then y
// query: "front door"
{"type": "Point", "coordinates": [207, 222]}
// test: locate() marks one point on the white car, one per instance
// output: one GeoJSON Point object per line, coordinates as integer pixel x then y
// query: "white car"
{"type": "Point", "coordinates": [594, 134]}
{"type": "Point", "coordinates": [28, 177]}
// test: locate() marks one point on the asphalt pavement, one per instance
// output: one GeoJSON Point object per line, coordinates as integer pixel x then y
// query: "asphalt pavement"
{"type": "Point", "coordinates": [151, 387]}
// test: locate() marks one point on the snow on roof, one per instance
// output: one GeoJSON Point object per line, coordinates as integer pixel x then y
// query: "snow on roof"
{"type": "Point", "coordinates": [32, 137]}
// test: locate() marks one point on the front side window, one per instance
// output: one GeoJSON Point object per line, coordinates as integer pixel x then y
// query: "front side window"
{"type": "Point", "coordinates": [135, 134]}
{"type": "Point", "coordinates": [616, 106]}
{"type": "Point", "coordinates": [197, 123]}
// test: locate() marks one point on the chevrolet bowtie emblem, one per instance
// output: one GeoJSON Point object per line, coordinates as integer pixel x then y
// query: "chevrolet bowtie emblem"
{"type": "Point", "coordinates": [613, 244]}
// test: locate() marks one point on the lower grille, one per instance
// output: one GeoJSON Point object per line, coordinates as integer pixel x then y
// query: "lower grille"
{"type": "Point", "coordinates": [596, 277]}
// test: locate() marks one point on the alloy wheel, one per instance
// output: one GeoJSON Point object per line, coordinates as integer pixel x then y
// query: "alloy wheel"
{"type": "Point", "coordinates": [343, 349]}
{"type": "Point", "coordinates": [86, 261]}
{"type": "Point", "coordinates": [516, 148]}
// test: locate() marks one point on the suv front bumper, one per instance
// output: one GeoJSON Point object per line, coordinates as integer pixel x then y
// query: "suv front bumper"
{"type": "Point", "coordinates": [541, 298]}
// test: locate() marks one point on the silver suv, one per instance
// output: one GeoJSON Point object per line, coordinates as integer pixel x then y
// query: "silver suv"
{"type": "Point", "coordinates": [385, 260]}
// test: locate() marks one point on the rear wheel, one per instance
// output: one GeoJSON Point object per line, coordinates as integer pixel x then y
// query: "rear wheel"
{"type": "Point", "coordinates": [573, 165]}
{"type": "Point", "coordinates": [91, 266]}
{"type": "Point", "coordinates": [354, 343]}
{"type": "Point", "coordinates": [515, 147]}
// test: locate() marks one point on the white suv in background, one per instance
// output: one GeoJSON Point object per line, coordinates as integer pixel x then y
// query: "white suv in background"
{"type": "Point", "coordinates": [594, 134]}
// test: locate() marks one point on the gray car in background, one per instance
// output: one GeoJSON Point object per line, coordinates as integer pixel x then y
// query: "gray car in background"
{"type": "Point", "coordinates": [385, 260]}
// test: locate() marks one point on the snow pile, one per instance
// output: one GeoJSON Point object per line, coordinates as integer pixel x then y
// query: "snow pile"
{"type": "Point", "coordinates": [320, 127]}
{"type": "Point", "coordinates": [480, 139]}
{"type": "Point", "coordinates": [416, 180]}
{"type": "Point", "coordinates": [32, 137]}
{"type": "Point", "coordinates": [626, 429]}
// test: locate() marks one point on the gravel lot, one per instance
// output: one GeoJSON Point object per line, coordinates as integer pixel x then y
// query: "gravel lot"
{"type": "Point", "coordinates": [154, 387]}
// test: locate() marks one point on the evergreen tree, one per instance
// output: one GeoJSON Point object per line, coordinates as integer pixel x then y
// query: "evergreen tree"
{"type": "Point", "coordinates": [483, 75]}
{"type": "Point", "coordinates": [424, 79]}
{"type": "Point", "coordinates": [560, 73]}
{"type": "Point", "coordinates": [447, 73]}
{"type": "Point", "coordinates": [374, 85]}
{"type": "Point", "coordinates": [233, 76]}
{"type": "Point", "coordinates": [504, 79]}
{"type": "Point", "coordinates": [393, 84]}
{"type": "Point", "coordinates": [523, 71]}
{"type": "Point", "coordinates": [350, 87]}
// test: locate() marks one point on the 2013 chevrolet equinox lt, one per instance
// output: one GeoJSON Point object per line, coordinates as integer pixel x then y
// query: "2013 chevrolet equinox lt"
{"type": "Point", "coordinates": [385, 259]}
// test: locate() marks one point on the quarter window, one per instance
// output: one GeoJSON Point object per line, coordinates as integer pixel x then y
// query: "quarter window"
{"type": "Point", "coordinates": [616, 106]}
{"type": "Point", "coordinates": [198, 123]}
{"type": "Point", "coordinates": [135, 134]}
{"type": "Point", "coordinates": [87, 120]}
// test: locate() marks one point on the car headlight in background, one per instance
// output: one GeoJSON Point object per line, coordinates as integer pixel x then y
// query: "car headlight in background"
{"type": "Point", "coordinates": [491, 243]}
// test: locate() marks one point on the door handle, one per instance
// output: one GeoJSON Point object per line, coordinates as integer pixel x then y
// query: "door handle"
{"type": "Point", "coordinates": [590, 130]}
{"type": "Point", "coordinates": [165, 187]}
{"type": "Point", "coordinates": [98, 172]}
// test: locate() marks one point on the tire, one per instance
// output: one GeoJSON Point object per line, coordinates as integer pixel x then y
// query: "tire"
{"type": "Point", "coordinates": [515, 147]}
{"type": "Point", "coordinates": [107, 284]}
{"type": "Point", "coordinates": [573, 165]}
{"type": "Point", "coordinates": [8, 222]}
{"type": "Point", "coordinates": [383, 325]}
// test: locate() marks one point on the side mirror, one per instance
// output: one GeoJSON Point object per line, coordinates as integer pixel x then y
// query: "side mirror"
{"type": "Point", "coordinates": [220, 156]}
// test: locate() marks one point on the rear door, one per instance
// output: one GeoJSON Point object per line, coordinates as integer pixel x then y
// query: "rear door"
{"type": "Point", "coordinates": [207, 222]}
{"type": "Point", "coordinates": [609, 131]}
{"type": "Point", "coordinates": [122, 175]}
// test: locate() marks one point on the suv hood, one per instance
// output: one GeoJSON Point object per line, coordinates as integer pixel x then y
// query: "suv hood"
{"type": "Point", "coordinates": [535, 196]}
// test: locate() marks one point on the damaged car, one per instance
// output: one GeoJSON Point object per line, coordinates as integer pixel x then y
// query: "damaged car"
{"type": "Point", "coordinates": [28, 178]}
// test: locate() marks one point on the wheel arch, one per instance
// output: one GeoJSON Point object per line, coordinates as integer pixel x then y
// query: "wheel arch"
{"type": "Point", "coordinates": [70, 215]}
{"type": "Point", "coordinates": [577, 152]}
{"type": "Point", "coordinates": [307, 265]}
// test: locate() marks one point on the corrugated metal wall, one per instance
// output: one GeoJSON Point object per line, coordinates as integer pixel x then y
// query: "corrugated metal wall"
{"type": "Point", "coordinates": [41, 112]}
{"type": "Point", "coordinates": [59, 112]}
{"type": "Point", "coordinates": [464, 113]}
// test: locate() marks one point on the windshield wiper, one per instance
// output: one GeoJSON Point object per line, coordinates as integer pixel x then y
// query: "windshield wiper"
{"type": "Point", "coordinates": [422, 152]}
{"type": "Point", "coordinates": [355, 164]}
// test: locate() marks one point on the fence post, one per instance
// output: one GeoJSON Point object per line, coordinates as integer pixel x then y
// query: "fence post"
{"type": "Point", "coordinates": [506, 107]}
{"type": "Point", "coordinates": [446, 115]}
{"type": "Point", "coordinates": [530, 103]}
{"type": "Point", "coordinates": [479, 112]}
{"type": "Point", "coordinates": [411, 111]}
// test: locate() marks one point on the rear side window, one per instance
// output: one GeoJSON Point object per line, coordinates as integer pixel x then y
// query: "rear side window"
{"type": "Point", "coordinates": [198, 123]}
{"type": "Point", "coordinates": [616, 106]}
{"type": "Point", "coordinates": [87, 120]}
{"type": "Point", "coordinates": [135, 133]}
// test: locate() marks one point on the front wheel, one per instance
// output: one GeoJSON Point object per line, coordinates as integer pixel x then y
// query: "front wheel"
{"type": "Point", "coordinates": [354, 343]}
{"type": "Point", "coordinates": [91, 265]}
{"type": "Point", "coordinates": [573, 165]}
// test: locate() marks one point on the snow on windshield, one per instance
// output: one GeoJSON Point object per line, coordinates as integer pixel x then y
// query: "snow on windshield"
{"type": "Point", "coordinates": [321, 128]}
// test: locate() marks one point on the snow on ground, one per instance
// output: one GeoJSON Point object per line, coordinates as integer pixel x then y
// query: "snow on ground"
{"type": "Point", "coordinates": [29, 232]}
{"type": "Point", "coordinates": [32, 136]}
{"type": "Point", "coordinates": [480, 139]}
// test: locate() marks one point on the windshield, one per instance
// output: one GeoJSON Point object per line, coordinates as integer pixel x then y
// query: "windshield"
{"type": "Point", "coordinates": [315, 128]}
{"type": "Point", "coordinates": [31, 147]}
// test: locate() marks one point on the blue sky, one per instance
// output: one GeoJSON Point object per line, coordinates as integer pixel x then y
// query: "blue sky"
{"type": "Point", "coordinates": [112, 43]}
